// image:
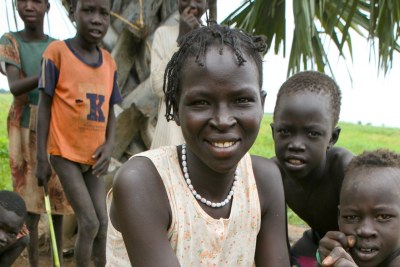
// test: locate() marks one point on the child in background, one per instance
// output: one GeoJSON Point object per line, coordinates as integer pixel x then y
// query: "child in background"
{"type": "Point", "coordinates": [305, 131]}
{"type": "Point", "coordinates": [369, 214]}
{"type": "Point", "coordinates": [76, 123]}
{"type": "Point", "coordinates": [206, 202]}
{"type": "Point", "coordinates": [165, 44]}
{"type": "Point", "coordinates": [20, 56]}
{"type": "Point", "coordinates": [14, 236]}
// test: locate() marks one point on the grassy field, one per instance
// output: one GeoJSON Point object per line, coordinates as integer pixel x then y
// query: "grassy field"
{"type": "Point", "coordinates": [5, 181]}
{"type": "Point", "coordinates": [354, 137]}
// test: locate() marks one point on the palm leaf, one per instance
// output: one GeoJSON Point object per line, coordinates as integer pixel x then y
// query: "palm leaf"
{"type": "Point", "coordinates": [375, 20]}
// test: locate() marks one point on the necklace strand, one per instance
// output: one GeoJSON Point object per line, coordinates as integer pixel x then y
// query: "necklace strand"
{"type": "Point", "coordinates": [197, 195]}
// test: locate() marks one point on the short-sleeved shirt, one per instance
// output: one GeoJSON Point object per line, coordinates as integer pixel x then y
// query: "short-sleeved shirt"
{"type": "Point", "coordinates": [82, 95]}
{"type": "Point", "coordinates": [30, 55]}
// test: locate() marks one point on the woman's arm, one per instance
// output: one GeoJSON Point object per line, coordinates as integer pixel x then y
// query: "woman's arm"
{"type": "Point", "coordinates": [272, 247]}
{"type": "Point", "coordinates": [140, 210]}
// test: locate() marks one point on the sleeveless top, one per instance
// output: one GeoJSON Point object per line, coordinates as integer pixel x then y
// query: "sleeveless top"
{"type": "Point", "coordinates": [196, 238]}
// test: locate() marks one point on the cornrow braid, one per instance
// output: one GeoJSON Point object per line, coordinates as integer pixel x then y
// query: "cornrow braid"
{"type": "Point", "coordinates": [195, 44]}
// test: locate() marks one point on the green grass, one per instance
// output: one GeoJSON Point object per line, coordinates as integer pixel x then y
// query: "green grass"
{"type": "Point", "coordinates": [354, 137]}
{"type": "Point", "coordinates": [5, 178]}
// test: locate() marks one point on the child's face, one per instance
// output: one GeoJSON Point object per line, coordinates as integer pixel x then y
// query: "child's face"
{"type": "Point", "coordinates": [302, 131]}
{"type": "Point", "coordinates": [220, 108]}
{"type": "Point", "coordinates": [32, 11]}
{"type": "Point", "coordinates": [197, 7]}
{"type": "Point", "coordinates": [370, 210]}
{"type": "Point", "coordinates": [92, 19]}
{"type": "Point", "coordinates": [10, 225]}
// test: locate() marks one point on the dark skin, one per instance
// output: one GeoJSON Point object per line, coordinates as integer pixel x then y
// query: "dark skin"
{"type": "Point", "coordinates": [190, 14]}
{"type": "Point", "coordinates": [219, 103]}
{"type": "Point", "coordinates": [312, 169]}
{"type": "Point", "coordinates": [10, 246]}
{"type": "Point", "coordinates": [84, 190]}
{"type": "Point", "coordinates": [32, 14]}
{"type": "Point", "coordinates": [369, 221]}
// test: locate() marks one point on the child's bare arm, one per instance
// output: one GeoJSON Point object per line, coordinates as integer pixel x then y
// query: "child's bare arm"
{"type": "Point", "coordinates": [17, 85]}
{"type": "Point", "coordinates": [43, 169]}
{"type": "Point", "coordinates": [8, 257]}
{"type": "Point", "coordinates": [140, 211]}
{"type": "Point", "coordinates": [272, 248]}
{"type": "Point", "coordinates": [104, 152]}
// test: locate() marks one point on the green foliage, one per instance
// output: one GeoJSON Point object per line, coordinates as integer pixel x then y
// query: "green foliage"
{"type": "Point", "coordinates": [314, 21]}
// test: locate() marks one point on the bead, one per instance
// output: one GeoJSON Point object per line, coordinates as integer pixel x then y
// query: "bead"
{"type": "Point", "coordinates": [198, 196]}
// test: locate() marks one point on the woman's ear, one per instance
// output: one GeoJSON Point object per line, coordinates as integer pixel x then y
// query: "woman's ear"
{"type": "Point", "coordinates": [176, 118]}
{"type": "Point", "coordinates": [48, 7]}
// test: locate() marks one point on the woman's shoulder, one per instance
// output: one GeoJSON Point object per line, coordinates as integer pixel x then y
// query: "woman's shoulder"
{"type": "Point", "coordinates": [142, 167]}
{"type": "Point", "coordinates": [264, 166]}
{"type": "Point", "coordinates": [269, 183]}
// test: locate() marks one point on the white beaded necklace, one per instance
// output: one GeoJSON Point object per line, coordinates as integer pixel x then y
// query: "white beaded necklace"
{"type": "Point", "coordinates": [197, 195]}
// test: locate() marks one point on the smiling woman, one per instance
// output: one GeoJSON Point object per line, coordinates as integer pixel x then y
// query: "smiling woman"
{"type": "Point", "coordinates": [213, 94]}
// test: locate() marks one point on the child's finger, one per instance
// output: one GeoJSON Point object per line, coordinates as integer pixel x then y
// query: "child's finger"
{"type": "Point", "coordinates": [338, 254]}
{"type": "Point", "coordinates": [351, 240]}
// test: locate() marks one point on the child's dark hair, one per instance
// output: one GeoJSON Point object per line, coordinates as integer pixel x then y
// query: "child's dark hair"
{"type": "Point", "coordinates": [11, 201]}
{"type": "Point", "coordinates": [314, 82]}
{"type": "Point", "coordinates": [74, 2]}
{"type": "Point", "coordinates": [375, 159]}
{"type": "Point", "coordinates": [195, 44]}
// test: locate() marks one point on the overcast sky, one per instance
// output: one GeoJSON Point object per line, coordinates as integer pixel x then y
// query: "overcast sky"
{"type": "Point", "coordinates": [368, 99]}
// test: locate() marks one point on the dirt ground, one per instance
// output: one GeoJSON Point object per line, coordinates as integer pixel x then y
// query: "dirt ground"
{"type": "Point", "coordinates": [295, 232]}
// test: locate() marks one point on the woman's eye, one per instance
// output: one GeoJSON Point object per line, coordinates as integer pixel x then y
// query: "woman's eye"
{"type": "Point", "coordinates": [243, 100]}
{"type": "Point", "coordinates": [200, 103]}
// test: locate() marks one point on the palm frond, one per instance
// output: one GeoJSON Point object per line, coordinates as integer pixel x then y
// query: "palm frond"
{"type": "Point", "coordinates": [375, 20]}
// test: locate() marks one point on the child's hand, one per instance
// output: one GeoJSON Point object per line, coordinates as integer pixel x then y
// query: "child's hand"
{"type": "Point", "coordinates": [339, 258]}
{"type": "Point", "coordinates": [188, 21]}
{"type": "Point", "coordinates": [330, 243]}
{"type": "Point", "coordinates": [103, 156]}
{"type": "Point", "coordinates": [43, 172]}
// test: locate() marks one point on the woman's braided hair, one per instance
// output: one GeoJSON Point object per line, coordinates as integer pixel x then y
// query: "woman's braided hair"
{"type": "Point", "coordinates": [195, 44]}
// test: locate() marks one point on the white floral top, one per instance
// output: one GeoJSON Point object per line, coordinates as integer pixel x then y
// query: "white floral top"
{"type": "Point", "coordinates": [197, 238]}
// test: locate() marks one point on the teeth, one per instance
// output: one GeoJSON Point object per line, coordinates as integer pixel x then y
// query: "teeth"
{"type": "Point", "coordinates": [223, 144]}
{"type": "Point", "coordinates": [295, 161]}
